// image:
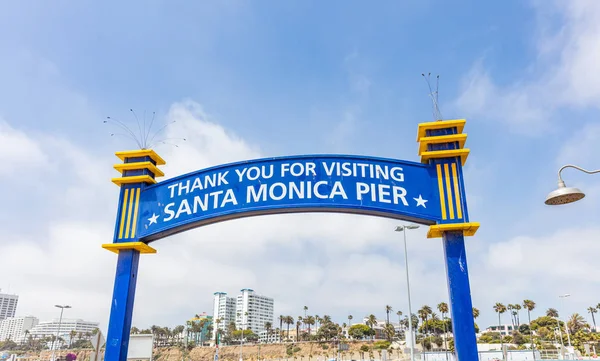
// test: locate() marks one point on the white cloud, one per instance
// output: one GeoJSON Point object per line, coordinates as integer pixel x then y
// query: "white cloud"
{"type": "Point", "coordinates": [17, 150]}
{"type": "Point", "coordinates": [336, 264]}
{"type": "Point", "coordinates": [566, 73]}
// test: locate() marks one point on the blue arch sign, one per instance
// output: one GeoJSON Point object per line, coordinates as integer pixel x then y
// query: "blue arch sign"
{"type": "Point", "coordinates": [430, 192]}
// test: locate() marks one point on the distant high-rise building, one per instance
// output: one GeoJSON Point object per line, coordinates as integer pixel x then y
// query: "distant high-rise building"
{"type": "Point", "coordinates": [223, 312]}
{"type": "Point", "coordinates": [13, 328]}
{"type": "Point", "coordinates": [253, 311]}
{"type": "Point", "coordinates": [8, 305]}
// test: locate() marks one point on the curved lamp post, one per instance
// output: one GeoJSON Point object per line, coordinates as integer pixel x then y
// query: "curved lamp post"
{"type": "Point", "coordinates": [410, 328]}
{"type": "Point", "coordinates": [62, 308]}
{"type": "Point", "coordinates": [564, 194]}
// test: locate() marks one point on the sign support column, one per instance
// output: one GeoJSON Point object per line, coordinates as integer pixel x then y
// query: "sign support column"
{"type": "Point", "coordinates": [442, 145]}
{"type": "Point", "coordinates": [138, 170]}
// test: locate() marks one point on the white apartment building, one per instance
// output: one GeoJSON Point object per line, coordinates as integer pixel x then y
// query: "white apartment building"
{"type": "Point", "coordinates": [50, 328]}
{"type": "Point", "coordinates": [13, 328]}
{"type": "Point", "coordinates": [223, 310]}
{"type": "Point", "coordinates": [8, 305]}
{"type": "Point", "coordinates": [253, 311]}
{"type": "Point", "coordinates": [504, 330]}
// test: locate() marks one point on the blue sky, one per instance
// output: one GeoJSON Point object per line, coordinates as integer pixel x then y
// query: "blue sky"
{"type": "Point", "coordinates": [248, 79]}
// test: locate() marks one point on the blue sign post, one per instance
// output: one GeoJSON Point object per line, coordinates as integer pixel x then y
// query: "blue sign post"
{"type": "Point", "coordinates": [430, 192]}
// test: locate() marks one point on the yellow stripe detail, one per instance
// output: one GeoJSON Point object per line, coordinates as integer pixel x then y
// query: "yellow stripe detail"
{"type": "Point", "coordinates": [448, 189]}
{"type": "Point", "coordinates": [129, 214]}
{"type": "Point", "coordinates": [124, 208]}
{"type": "Point", "coordinates": [441, 186]}
{"type": "Point", "coordinates": [456, 192]}
{"type": "Point", "coordinates": [135, 212]}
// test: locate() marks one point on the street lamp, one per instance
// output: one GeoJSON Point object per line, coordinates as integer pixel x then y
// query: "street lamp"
{"type": "Point", "coordinates": [564, 194]}
{"type": "Point", "coordinates": [562, 304]}
{"type": "Point", "coordinates": [410, 329]}
{"type": "Point", "coordinates": [62, 308]}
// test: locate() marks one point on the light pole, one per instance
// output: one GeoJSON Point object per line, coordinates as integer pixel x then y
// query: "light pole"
{"type": "Point", "coordinates": [564, 194]}
{"type": "Point", "coordinates": [562, 304]}
{"type": "Point", "coordinates": [62, 308]}
{"type": "Point", "coordinates": [241, 337]}
{"type": "Point", "coordinates": [410, 329]}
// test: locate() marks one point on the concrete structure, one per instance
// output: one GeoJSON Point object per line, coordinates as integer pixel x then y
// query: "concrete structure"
{"type": "Point", "coordinates": [223, 312]}
{"type": "Point", "coordinates": [253, 311]}
{"type": "Point", "coordinates": [13, 328]}
{"type": "Point", "coordinates": [50, 328]}
{"type": "Point", "coordinates": [8, 305]}
{"type": "Point", "coordinates": [271, 337]}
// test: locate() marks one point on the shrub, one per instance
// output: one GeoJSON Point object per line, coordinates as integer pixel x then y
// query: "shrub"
{"type": "Point", "coordinates": [324, 346]}
{"type": "Point", "coordinates": [364, 348]}
{"type": "Point", "coordinates": [381, 345]}
{"type": "Point", "coordinates": [296, 349]}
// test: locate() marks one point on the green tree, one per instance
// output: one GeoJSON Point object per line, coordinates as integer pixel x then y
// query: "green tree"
{"type": "Point", "coordinates": [475, 313]}
{"type": "Point", "coordinates": [551, 312]}
{"type": "Point", "coordinates": [328, 331]}
{"type": "Point", "coordinates": [350, 320]}
{"type": "Point", "coordinates": [359, 331]}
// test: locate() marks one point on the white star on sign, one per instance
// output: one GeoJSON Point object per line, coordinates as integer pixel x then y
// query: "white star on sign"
{"type": "Point", "coordinates": [421, 201]}
{"type": "Point", "coordinates": [153, 219]}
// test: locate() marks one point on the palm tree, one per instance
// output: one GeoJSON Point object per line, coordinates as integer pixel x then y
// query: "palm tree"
{"type": "Point", "coordinates": [388, 309]}
{"type": "Point", "coordinates": [268, 327]}
{"type": "Point", "coordinates": [305, 309]}
{"type": "Point", "coordinates": [399, 314]}
{"type": "Point", "coordinates": [510, 308]}
{"type": "Point", "coordinates": [593, 310]}
{"type": "Point", "coordinates": [552, 312]}
{"type": "Point", "coordinates": [371, 322]}
{"type": "Point", "coordinates": [517, 310]}
{"type": "Point", "coordinates": [217, 321]}
{"type": "Point", "coordinates": [310, 320]}
{"type": "Point", "coordinates": [443, 308]}
{"type": "Point", "coordinates": [500, 308]}
{"type": "Point", "coordinates": [529, 306]}
{"type": "Point", "coordinates": [281, 321]}
{"type": "Point", "coordinates": [289, 320]}
{"type": "Point", "coordinates": [576, 323]}
{"type": "Point", "coordinates": [475, 313]}
{"type": "Point", "coordinates": [350, 320]}
{"type": "Point", "coordinates": [298, 324]}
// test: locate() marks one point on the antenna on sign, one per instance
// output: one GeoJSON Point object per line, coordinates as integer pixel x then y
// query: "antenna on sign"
{"type": "Point", "coordinates": [129, 132]}
{"type": "Point", "coordinates": [166, 141]}
{"type": "Point", "coordinates": [161, 129]}
{"type": "Point", "coordinates": [434, 95]}
{"type": "Point", "coordinates": [143, 140]}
